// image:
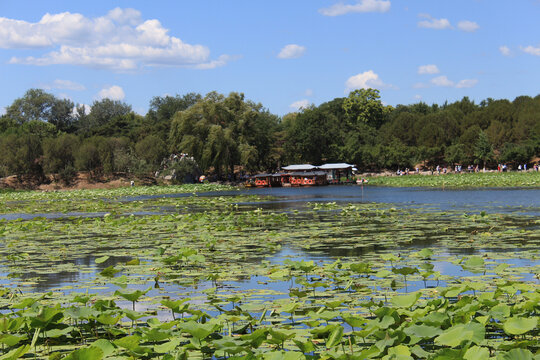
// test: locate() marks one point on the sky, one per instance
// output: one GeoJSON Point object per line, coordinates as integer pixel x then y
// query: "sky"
{"type": "Point", "coordinates": [283, 54]}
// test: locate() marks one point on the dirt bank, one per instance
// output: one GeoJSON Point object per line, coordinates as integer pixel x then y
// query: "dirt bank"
{"type": "Point", "coordinates": [82, 180]}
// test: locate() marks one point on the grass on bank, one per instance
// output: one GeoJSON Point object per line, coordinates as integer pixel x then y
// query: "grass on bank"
{"type": "Point", "coordinates": [23, 195]}
{"type": "Point", "coordinates": [490, 179]}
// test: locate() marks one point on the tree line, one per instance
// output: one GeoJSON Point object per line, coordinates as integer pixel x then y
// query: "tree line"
{"type": "Point", "coordinates": [42, 134]}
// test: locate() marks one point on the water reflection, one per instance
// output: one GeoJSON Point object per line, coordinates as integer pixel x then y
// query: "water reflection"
{"type": "Point", "coordinates": [509, 201]}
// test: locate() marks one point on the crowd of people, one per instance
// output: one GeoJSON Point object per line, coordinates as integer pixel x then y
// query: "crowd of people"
{"type": "Point", "coordinates": [458, 169]}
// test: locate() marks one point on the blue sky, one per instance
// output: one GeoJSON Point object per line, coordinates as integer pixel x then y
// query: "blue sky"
{"type": "Point", "coordinates": [283, 54]}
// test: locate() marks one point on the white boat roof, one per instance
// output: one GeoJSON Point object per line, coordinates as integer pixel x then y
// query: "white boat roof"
{"type": "Point", "coordinates": [335, 166]}
{"type": "Point", "coordinates": [299, 167]}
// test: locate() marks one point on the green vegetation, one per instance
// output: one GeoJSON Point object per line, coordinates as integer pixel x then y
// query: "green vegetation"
{"type": "Point", "coordinates": [227, 279]}
{"type": "Point", "coordinates": [489, 179]}
{"type": "Point", "coordinates": [41, 134]}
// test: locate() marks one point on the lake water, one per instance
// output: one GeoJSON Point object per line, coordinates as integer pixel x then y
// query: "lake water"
{"type": "Point", "coordinates": [522, 202]}
{"type": "Point", "coordinates": [470, 200]}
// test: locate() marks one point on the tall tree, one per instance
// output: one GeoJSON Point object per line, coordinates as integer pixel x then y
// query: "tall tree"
{"type": "Point", "coordinates": [162, 110]}
{"type": "Point", "coordinates": [38, 105]}
{"type": "Point", "coordinates": [220, 132]}
{"type": "Point", "coordinates": [102, 112]}
{"type": "Point", "coordinates": [483, 151]}
{"type": "Point", "coordinates": [364, 106]}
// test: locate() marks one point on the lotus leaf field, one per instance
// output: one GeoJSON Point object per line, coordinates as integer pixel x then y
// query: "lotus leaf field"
{"type": "Point", "coordinates": [135, 273]}
{"type": "Point", "coordinates": [529, 179]}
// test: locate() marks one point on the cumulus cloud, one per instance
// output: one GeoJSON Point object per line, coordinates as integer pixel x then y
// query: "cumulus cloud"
{"type": "Point", "coordinates": [120, 40]}
{"type": "Point", "coordinates": [432, 23]}
{"type": "Point", "coordinates": [362, 6]}
{"type": "Point", "coordinates": [64, 85]}
{"type": "Point", "coordinates": [291, 51]}
{"type": "Point", "coordinates": [114, 92]}
{"type": "Point", "coordinates": [531, 50]}
{"type": "Point", "coordinates": [467, 26]}
{"type": "Point", "coordinates": [220, 61]}
{"type": "Point", "coordinates": [442, 81]}
{"type": "Point", "coordinates": [505, 50]}
{"type": "Point", "coordinates": [300, 104]}
{"type": "Point", "coordinates": [466, 83]}
{"type": "Point", "coordinates": [365, 80]}
{"type": "Point", "coordinates": [428, 69]}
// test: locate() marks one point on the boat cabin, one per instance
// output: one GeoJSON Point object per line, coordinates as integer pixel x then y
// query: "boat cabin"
{"type": "Point", "coordinates": [337, 171]}
{"type": "Point", "coordinates": [268, 180]}
{"type": "Point", "coordinates": [308, 178]}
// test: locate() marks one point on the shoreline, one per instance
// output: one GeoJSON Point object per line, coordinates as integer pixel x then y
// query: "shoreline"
{"type": "Point", "coordinates": [490, 178]}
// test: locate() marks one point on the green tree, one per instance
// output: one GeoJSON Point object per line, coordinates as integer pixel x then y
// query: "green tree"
{"type": "Point", "coordinates": [221, 132]}
{"type": "Point", "coordinates": [59, 153]}
{"type": "Point", "coordinates": [483, 150]}
{"type": "Point", "coordinates": [314, 136]}
{"type": "Point", "coordinates": [151, 149]}
{"type": "Point", "coordinates": [21, 155]}
{"type": "Point", "coordinates": [517, 153]}
{"type": "Point", "coordinates": [101, 113]}
{"type": "Point", "coordinates": [469, 139]}
{"type": "Point", "coordinates": [87, 157]}
{"type": "Point", "coordinates": [454, 154]}
{"type": "Point", "coordinates": [38, 105]}
{"type": "Point", "coordinates": [162, 110]}
{"type": "Point", "coordinates": [127, 125]}
{"type": "Point", "coordinates": [364, 106]}
{"type": "Point", "coordinates": [98, 155]}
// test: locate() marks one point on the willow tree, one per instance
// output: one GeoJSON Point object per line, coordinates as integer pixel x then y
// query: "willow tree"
{"type": "Point", "coordinates": [221, 132]}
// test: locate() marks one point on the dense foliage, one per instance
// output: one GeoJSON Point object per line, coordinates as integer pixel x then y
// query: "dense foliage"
{"type": "Point", "coordinates": [42, 134]}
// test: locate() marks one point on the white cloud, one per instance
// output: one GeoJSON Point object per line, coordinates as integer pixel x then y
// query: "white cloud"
{"type": "Point", "coordinates": [86, 109]}
{"type": "Point", "coordinates": [466, 83]}
{"type": "Point", "coordinates": [362, 6]}
{"type": "Point", "coordinates": [64, 85]}
{"type": "Point", "coordinates": [125, 16]}
{"type": "Point", "coordinates": [291, 51]}
{"type": "Point", "coordinates": [432, 23]}
{"type": "Point", "coordinates": [505, 50]}
{"type": "Point", "coordinates": [114, 92]}
{"type": "Point", "coordinates": [467, 26]}
{"type": "Point", "coordinates": [220, 61]}
{"type": "Point", "coordinates": [531, 50]}
{"type": "Point", "coordinates": [417, 97]}
{"type": "Point", "coordinates": [365, 80]}
{"type": "Point", "coordinates": [300, 104]}
{"type": "Point", "coordinates": [442, 81]}
{"type": "Point", "coordinates": [120, 40]}
{"type": "Point", "coordinates": [428, 69]}
{"type": "Point", "coordinates": [308, 92]}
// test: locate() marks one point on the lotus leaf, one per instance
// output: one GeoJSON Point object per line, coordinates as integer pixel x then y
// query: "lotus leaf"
{"type": "Point", "coordinates": [518, 325]}
{"type": "Point", "coordinates": [517, 354]}
{"type": "Point", "coordinates": [455, 335]}
{"type": "Point", "coordinates": [406, 301]}
{"type": "Point", "coordinates": [88, 353]}
{"type": "Point", "coordinates": [476, 353]}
